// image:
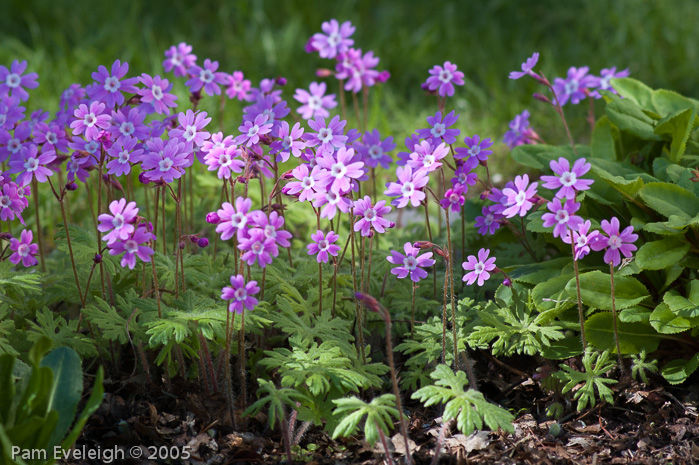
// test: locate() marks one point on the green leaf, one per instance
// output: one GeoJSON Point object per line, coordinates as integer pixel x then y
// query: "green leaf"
{"type": "Point", "coordinates": [628, 187]}
{"type": "Point", "coordinates": [667, 101]}
{"type": "Point", "coordinates": [66, 389]}
{"type": "Point", "coordinates": [633, 337]}
{"type": "Point", "coordinates": [661, 254]}
{"type": "Point", "coordinates": [596, 290]}
{"type": "Point", "coordinates": [679, 127]}
{"type": "Point", "coordinates": [670, 199]}
{"type": "Point", "coordinates": [563, 349]}
{"type": "Point", "coordinates": [680, 305]}
{"type": "Point", "coordinates": [91, 407]}
{"type": "Point", "coordinates": [635, 90]}
{"type": "Point", "coordinates": [666, 322]}
{"type": "Point", "coordinates": [539, 156]}
{"type": "Point", "coordinates": [629, 117]}
{"type": "Point", "coordinates": [678, 371]}
{"type": "Point", "coordinates": [602, 145]}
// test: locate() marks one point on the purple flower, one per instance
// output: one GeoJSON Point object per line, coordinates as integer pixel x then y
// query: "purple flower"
{"type": "Point", "coordinates": [356, 69]}
{"type": "Point", "coordinates": [166, 162]}
{"type": "Point", "coordinates": [562, 217]}
{"type": "Point", "coordinates": [573, 87]}
{"type": "Point", "coordinates": [476, 148]}
{"type": "Point", "coordinates": [125, 153]}
{"type": "Point", "coordinates": [373, 150]}
{"type": "Point", "coordinates": [52, 136]}
{"type": "Point", "coordinates": [12, 82]}
{"type": "Point", "coordinates": [527, 68]}
{"type": "Point", "coordinates": [206, 77]}
{"type": "Point", "coordinates": [331, 202]}
{"type": "Point", "coordinates": [464, 175]}
{"type": "Point", "coordinates": [77, 166]}
{"type": "Point", "coordinates": [10, 112]}
{"type": "Point", "coordinates": [582, 239]}
{"type": "Point", "coordinates": [225, 160]}
{"type": "Point", "coordinates": [109, 87]}
{"type": "Point", "coordinates": [314, 101]}
{"type": "Point", "coordinates": [438, 128]}
{"type": "Point", "coordinates": [156, 94]}
{"type": "Point", "coordinates": [24, 250]}
{"type": "Point", "coordinates": [240, 294]}
{"type": "Point", "coordinates": [603, 82]}
{"type": "Point", "coordinates": [217, 141]}
{"type": "Point", "coordinates": [270, 107]}
{"type": "Point", "coordinates": [271, 226]}
{"type": "Point", "coordinates": [443, 79]}
{"type": "Point", "coordinates": [323, 245]}
{"type": "Point", "coordinates": [426, 157]}
{"type": "Point", "coordinates": [329, 136]}
{"type": "Point", "coordinates": [120, 222]}
{"type": "Point", "coordinates": [291, 142]}
{"type": "Point", "coordinates": [11, 204]}
{"type": "Point", "coordinates": [128, 122]}
{"type": "Point", "coordinates": [251, 130]}
{"type": "Point", "coordinates": [615, 243]}
{"type": "Point", "coordinates": [519, 196]}
{"type": "Point", "coordinates": [340, 170]}
{"type": "Point", "coordinates": [232, 220]}
{"type": "Point", "coordinates": [30, 164]}
{"type": "Point", "coordinates": [335, 40]}
{"type": "Point", "coordinates": [179, 58]}
{"type": "Point", "coordinates": [133, 247]}
{"type": "Point", "coordinates": [454, 198]}
{"type": "Point", "coordinates": [408, 187]}
{"type": "Point", "coordinates": [237, 86]}
{"type": "Point", "coordinates": [307, 184]}
{"type": "Point", "coordinates": [371, 216]}
{"type": "Point", "coordinates": [257, 247]}
{"type": "Point", "coordinates": [90, 120]}
{"type": "Point", "coordinates": [568, 180]}
{"type": "Point", "coordinates": [489, 222]}
{"type": "Point", "coordinates": [410, 263]}
{"type": "Point", "coordinates": [191, 128]}
{"type": "Point", "coordinates": [520, 133]}
{"type": "Point", "coordinates": [480, 268]}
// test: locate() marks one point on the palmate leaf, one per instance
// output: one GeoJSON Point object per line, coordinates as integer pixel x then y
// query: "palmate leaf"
{"type": "Point", "coordinates": [469, 407]}
{"type": "Point", "coordinates": [17, 283]}
{"type": "Point", "coordinates": [107, 318]}
{"type": "Point", "coordinates": [596, 364]}
{"type": "Point", "coordinates": [62, 333]}
{"type": "Point", "coordinates": [84, 244]}
{"type": "Point", "coordinates": [378, 416]}
{"type": "Point", "coordinates": [277, 398]}
{"type": "Point", "coordinates": [7, 327]}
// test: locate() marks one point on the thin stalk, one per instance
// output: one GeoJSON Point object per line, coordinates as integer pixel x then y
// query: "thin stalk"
{"type": "Point", "coordinates": [155, 286]}
{"type": "Point", "coordinates": [384, 443]}
{"type": "Point", "coordinates": [162, 189]}
{"type": "Point", "coordinates": [70, 251]}
{"type": "Point", "coordinates": [412, 313]}
{"type": "Point", "coordinates": [358, 313]}
{"type": "Point", "coordinates": [334, 285]}
{"type": "Point", "coordinates": [99, 209]}
{"type": "Point", "coordinates": [287, 440]}
{"type": "Point", "coordinates": [581, 317]}
{"type": "Point", "coordinates": [614, 318]}
{"type": "Point", "coordinates": [241, 356]}
{"type": "Point", "coordinates": [429, 234]}
{"type": "Point", "coordinates": [35, 188]}
{"type": "Point", "coordinates": [368, 271]}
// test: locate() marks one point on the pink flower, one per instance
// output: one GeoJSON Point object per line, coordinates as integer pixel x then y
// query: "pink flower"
{"type": "Point", "coordinates": [371, 216]}
{"type": "Point", "coordinates": [527, 68]}
{"type": "Point", "coordinates": [11, 204]}
{"type": "Point", "coordinates": [252, 130]}
{"type": "Point", "coordinates": [562, 217]}
{"type": "Point", "coordinates": [568, 180]}
{"type": "Point", "coordinates": [340, 169]}
{"type": "Point", "coordinates": [408, 187]}
{"type": "Point", "coordinates": [410, 263]}
{"type": "Point", "coordinates": [314, 101]}
{"type": "Point", "coordinates": [335, 40]}
{"type": "Point", "coordinates": [480, 268]}
{"type": "Point", "coordinates": [191, 128]}
{"type": "Point", "coordinates": [206, 77]}
{"type": "Point", "coordinates": [24, 249]}
{"type": "Point", "coordinates": [30, 164]}
{"type": "Point", "coordinates": [120, 222]}
{"type": "Point", "coordinates": [109, 87]}
{"type": "Point", "coordinates": [232, 220]}
{"type": "Point", "coordinates": [237, 86]}
{"type": "Point", "coordinates": [240, 294]}
{"type": "Point", "coordinates": [582, 239]}
{"type": "Point", "coordinates": [257, 247]}
{"type": "Point", "coordinates": [271, 226]}
{"type": "Point", "coordinates": [133, 247]}
{"type": "Point", "coordinates": [90, 120]}
{"type": "Point", "coordinates": [454, 198]}
{"type": "Point", "coordinates": [12, 81]}
{"type": "Point", "coordinates": [616, 244]}
{"type": "Point", "coordinates": [374, 150]}
{"type": "Point", "coordinates": [329, 136]}
{"type": "Point", "coordinates": [291, 142]}
{"type": "Point", "coordinates": [156, 94]}
{"type": "Point", "coordinates": [443, 79]}
{"type": "Point", "coordinates": [519, 197]}
{"type": "Point", "coordinates": [225, 160]}
{"type": "Point", "coordinates": [323, 245]}
{"type": "Point", "coordinates": [426, 157]}
{"type": "Point", "coordinates": [179, 58]}
{"type": "Point", "coordinates": [307, 185]}
{"type": "Point", "coordinates": [489, 222]}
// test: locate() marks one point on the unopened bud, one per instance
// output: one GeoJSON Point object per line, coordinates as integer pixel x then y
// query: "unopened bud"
{"type": "Point", "coordinates": [485, 195]}
{"type": "Point", "coordinates": [287, 175]}
{"type": "Point", "coordinates": [5, 236]}
{"type": "Point", "coordinates": [507, 282]}
{"type": "Point", "coordinates": [193, 238]}
{"type": "Point", "coordinates": [182, 245]}
{"type": "Point", "coordinates": [143, 179]}
{"type": "Point", "coordinates": [203, 242]}
{"type": "Point", "coordinates": [281, 81]}
{"type": "Point", "coordinates": [71, 186]}
{"type": "Point", "coordinates": [212, 218]}
{"type": "Point", "coordinates": [97, 259]}
{"type": "Point", "coordinates": [322, 72]}
{"type": "Point", "coordinates": [542, 98]}
{"type": "Point", "coordinates": [423, 244]}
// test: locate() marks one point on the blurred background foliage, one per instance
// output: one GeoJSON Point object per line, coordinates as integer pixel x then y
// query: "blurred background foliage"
{"type": "Point", "coordinates": [64, 41]}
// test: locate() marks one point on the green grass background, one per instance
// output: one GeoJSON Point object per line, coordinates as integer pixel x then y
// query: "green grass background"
{"type": "Point", "coordinates": [65, 41]}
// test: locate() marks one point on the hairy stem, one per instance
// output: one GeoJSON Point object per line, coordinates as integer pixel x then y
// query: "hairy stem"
{"type": "Point", "coordinates": [614, 318]}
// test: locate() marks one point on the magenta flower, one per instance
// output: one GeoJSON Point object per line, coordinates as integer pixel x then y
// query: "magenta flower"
{"type": "Point", "coordinates": [603, 82]}
{"type": "Point", "coordinates": [340, 170]}
{"type": "Point", "coordinates": [90, 120]}
{"type": "Point", "coordinates": [291, 142]}
{"type": "Point", "coordinates": [240, 294]}
{"type": "Point", "coordinates": [410, 263]}
{"type": "Point", "coordinates": [128, 122]}
{"type": "Point", "coordinates": [124, 153]}
{"type": "Point", "coordinates": [330, 137]}
{"type": "Point", "coordinates": [374, 150]}
{"type": "Point", "coordinates": [109, 87]}
{"type": "Point", "coordinates": [443, 79]}
{"type": "Point", "coordinates": [572, 88]}
{"type": "Point", "coordinates": [480, 268]}
{"type": "Point", "coordinates": [120, 222]}
{"type": "Point", "coordinates": [464, 175]}
{"type": "Point", "coordinates": [489, 222]}
{"type": "Point", "coordinates": [307, 185]}
{"type": "Point", "coordinates": [257, 247]}
{"type": "Point", "coordinates": [30, 164]}
{"type": "Point", "coordinates": [191, 128]}
{"type": "Point", "coordinates": [335, 40]}
{"type": "Point", "coordinates": [226, 160]}
{"type": "Point", "coordinates": [232, 220]}
{"type": "Point", "coordinates": [166, 162]}
{"type": "Point", "coordinates": [527, 67]}
{"type": "Point", "coordinates": [356, 69]}
{"type": "Point", "coordinates": [519, 197]}
{"type": "Point", "coordinates": [567, 179]}
{"type": "Point", "coordinates": [24, 250]}
{"type": "Point", "coordinates": [439, 128]}
{"type": "Point", "coordinates": [11, 204]}
{"type": "Point", "coordinates": [476, 148]}
{"type": "Point", "coordinates": [323, 245]}
{"type": "Point", "coordinates": [237, 86]}
{"type": "Point", "coordinates": [314, 101]}
{"type": "Point", "coordinates": [371, 216]}
{"type": "Point", "coordinates": [616, 243]}
{"type": "Point", "coordinates": [271, 226]}
{"type": "Point", "coordinates": [562, 217]}
{"type": "Point", "coordinates": [133, 246]}
{"type": "Point", "coordinates": [454, 198]}
{"type": "Point", "coordinates": [156, 94]}
{"type": "Point", "coordinates": [179, 58]}
{"type": "Point", "coordinates": [426, 157]}
{"type": "Point", "coordinates": [206, 77]}
{"type": "Point", "coordinates": [408, 187]}
{"type": "Point", "coordinates": [582, 239]}
{"type": "Point", "coordinates": [252, 130]}
{"type": "Point", "coordinates": [216, 141]}
{"type": "Point", "coordinates": [331, 203]}
{"type": "Point", "coordinates": [12, 83]}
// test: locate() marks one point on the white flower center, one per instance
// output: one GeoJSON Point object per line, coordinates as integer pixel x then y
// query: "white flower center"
{"type": "Point", "coordinates": [131, 246]}
{"type": "Point", "coordinates": [253, 130]}
{"type": "Point", "coordinates": [157, 92]}
{"type": "Point", "coordinates": [614, 242]}
{"type": "Point", "coordinates": [224, 160]}
{"type": "Point", "coordinates": [323, 245]}
{"type": "Point", "coordinates": [438, 130]}
{"type": "Point", "coordinates": [334, 39]}
{"type": "Point", "coordinates": [489, 218]}
{"type": "Point", "coordinates": [257, 248]}
{"type": "Point", "coordinates": [604, 82]}
{"type": "Point", "coordinates": [520, 198]}
{"type": "Point", "coordinates": [479, 268]}
{"type": "Point", "coordinates": [5, 201]}
{"type": "Point", "coordinates": [370, 214]}
{"type": "Point", "coordinates": [176, 59]}
{"type": "Point", "coordinates": [308, 182]}
{"type": "Point", "coordinates": [407, 189]}
{"type": "Point", "coordinates": [13, 80]}
{"type": "Point", "coordinates": [338, 170]}
{"type": "Point", "coordinates": [241, 294]}
{"type": "Point", "coordinates": [189, 133]}
{"type": "Point", "coordinates": [238, 220]}
{"type": "Point", "coordinates": [454, 197]}
{"type": "Point", "coordinates": [445, 76]}
{"type": "Point", "coordinates": [474, 151]}
{"type": "Point", "coordinates": [112, 84]}
{"type": "Point", "coordinates": [568, 179]}
{"type": "Point", "coordinates": [51, 138]}
{"type": "Point", "coordinates": [325, 135]}
{"type": "Point", "coordinates": [23, 250]}
{"type": "Point", "coordinates": [428, 160]}
{"type": "Point", "coordinates": [286, 143]}
{"type": "Point", "coordinates": [92, 146]}
{"type": "Point", "coordinates": [14, 145]}
{"type": "Point", "coordinates": [89, 120]}
{"type": "Point", "coordinates": [270, 231]}
{"type": "Point", "coordinates": [206, 75]}
{"type": "Point", "coordinates": [165, 164]}
{"type": "Point", "coordinates": [410, 263]}
{"type": "Point", "coordinates": [581, 241]}
{"type": "Point", "coordinates": [562, 216]}
{"type": "Point", "coordinates": [127, 128]}
{"type": "Point", "coordinates": [31, 165]}
{"type": "Point", "coordinates": [118, 221]}
{"type": "Point", "coordinates": [375, 152]}
{"type": "Point", "coordinates": [571, 86]}
{"type": "Point", "coordinates": [124, 157]}
{"type": "Point", "coordinates": [314, 102]}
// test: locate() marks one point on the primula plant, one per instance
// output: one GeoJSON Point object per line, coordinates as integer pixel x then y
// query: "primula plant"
{"type": "Point", "coordinates": [259, 256]}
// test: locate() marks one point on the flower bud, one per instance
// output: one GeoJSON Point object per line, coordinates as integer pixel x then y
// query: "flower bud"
{"type": "Point", "coordinates": [485, 195]}
{"type": "Point", "coordinates": [423, 244]}
{"type": "Point", "coordinates": [181, 245]}
{"type": "Point", "coordinates": [281, 81]}
{"type": "Point", "coordinates": [287, 175]}
{"type": "Point", "coordinates": [203, 242]}
{"type": "Point", "coordinates": [542, 98]}
{"type": "Point", "coordinates": [5, 236]}
{"type": "Point", "coordinates": [97, 259]}
{"type": "Point", "coordinates": [507, 282]}
{"type": "Point", "coordinates": [309, 48]}
{"type": "Point", "coordinates": [383, 76]}
{"type": "Point", "coordinates": [213, 218]}
{"type": "Point", "coordinates": [71, 186]}
{"type": "Point", "coordinates": [105, 138]}
{"type": "Point", "coordinates": [322, 72]}
{"type": "Point", "coordinates": [143, 179]}
{"type": "Point", "coordinates": [193, 238]}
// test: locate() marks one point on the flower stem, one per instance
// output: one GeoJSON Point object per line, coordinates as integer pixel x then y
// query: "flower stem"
{"type": "Point", "coordinates": [429, 234]}
{"type": "Point", "coordinates": [577, 286]}
{"type": "Point", "coordinates": [358, 312]}
{"type": "Point", "coordinates": [412, 313]}
{"type": "Point", "coordinates": [614, 318]}
{"type": "Point", "coordinates": [35, 188]}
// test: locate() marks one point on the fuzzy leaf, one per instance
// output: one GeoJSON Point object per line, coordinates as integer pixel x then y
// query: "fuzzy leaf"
{"type": "Point", "coordinates": [596, 289]}
{"type": "Point", "coordinates": [677, 371]}
{"type": "Point", "coordinates": [670, 199]}
{"type": "Point", "coordinates": [661, 254]}
{"type": "Point", "coordinates": [633, 337]}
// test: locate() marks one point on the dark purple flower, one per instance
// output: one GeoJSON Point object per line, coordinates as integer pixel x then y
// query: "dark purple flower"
{"type": "Point", "coordinates": [562, 217]}
{"type": "Point", "coordinates": [328, 136]}
{"type": "Point", "coordinates": [476, 148]}
{"type": "Point", "coordinates": [314, 101]}
{"type": "Point", "coordinates": [124, 152]}
{"type": "Point", "coordinates": [52, 136]}
{"type": "Point", "coordinates": [335, 40]}
{"type": "Point", "coordinates": [439, 128]}
{"type": "Point", "coordinates": [408, 187]}
{"type": "Point", "coordinates": [323, 245]}
{"type": "Point", "coordinates": [13, 83]}
{"type": "Point", "coordinates": [24, 250]}
{"type": "Point", "coordinates": [410, 263]}
{"type": "Point", "coordinates": [120, 222]}
{"type": "Point", "coordinates": [109, 87]}
{"type": "Point", "coordinates": [520, 133]}
{"type": "Point", "coordinates": [370, 216]}
{"type": "Point", "coordinates": [179, 58]}
{"type": "Point", "coordinates": [489, 222]}
{"type": "Point", "coordinates": [527, 67]}
{"type": "Point", "coordinates": [240, 294]}
{"type": "Point", "coordinates": [203, 242]}
{"type": "Point", "coordinates": [616, 244]}
{"type": "Point", "coordinates": [206, 77]}
{"type": "Point", "coordinates": [568, 180]}
{"type": "Point", "coordinates": [11, 204]}
{"type": "Point", "coordinates": [480, 267]}
{"type": "Point", "coordinates": [257, 247]}
{"type": "Point", "coordinates": [443, 78]}
{"type": "Point", "coordinates": [31, 164]}
{"type": "Point", "coordinates": [128, 122]}
{"type": "Point", "coordinates": [133, 247]}
{"type": "Point", "coordinates": [573, 87]}
{"type": "Point", "coordinates": [374, 150]}
{"type": "Point", "coordinates": [232, 220]}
